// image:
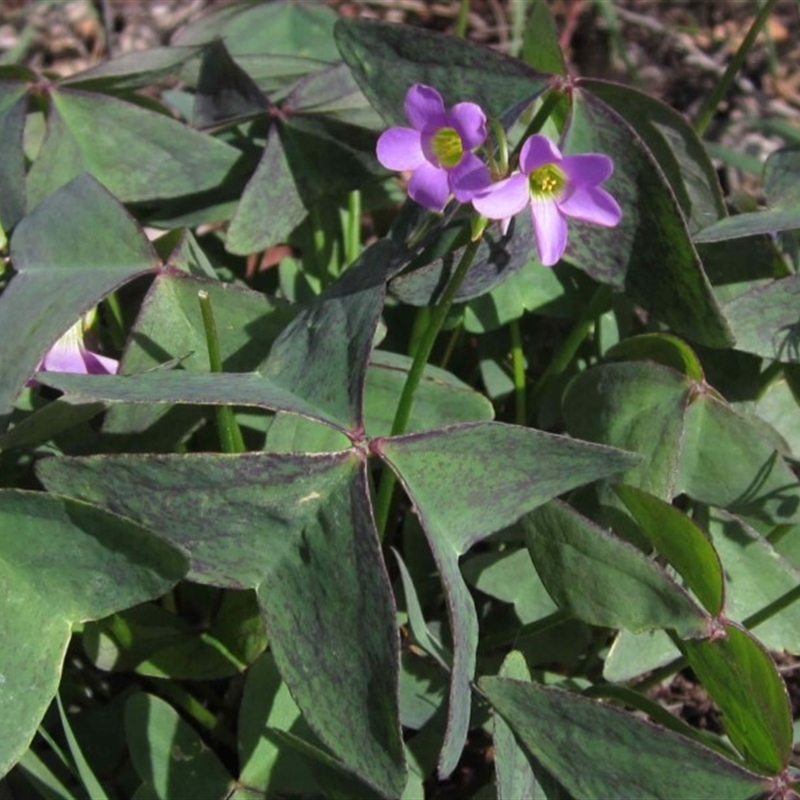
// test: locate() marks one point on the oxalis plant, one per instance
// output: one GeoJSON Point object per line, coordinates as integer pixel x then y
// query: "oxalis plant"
{"type": "Point", "coordinates": [322, 481]}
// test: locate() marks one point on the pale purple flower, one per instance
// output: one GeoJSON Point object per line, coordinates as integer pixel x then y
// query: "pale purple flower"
{"type": "Point", "coordinates": [437, 148]}
{"type": "Point", "coordinates": [555, 187]}
{"type": "Point", "coordinates": [70, 354]}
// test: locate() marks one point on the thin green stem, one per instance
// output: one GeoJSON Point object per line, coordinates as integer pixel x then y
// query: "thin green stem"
{"type": "Point", "coordinates": [569, 347]}
{"type": "Point", "coordinates": [777, 533]}
{"type": "Point", "coordinates": [352, 234]}
{"type": "Point", "coordinates": [421, 354]}
{"type": "Point", "coordinates": [772, 609]}
{"type": "Point", "coordinates": [117, 326]}
{"type": "Point", "coordinates": [549, 102]}
{"type": "Point", "coordinates": [518, 369]}
{"type": "Point", "coordinates": [451, 346]}
{"type": "Point", "coordinates": [463, 19]}
{"type": "Point", "coordinates": [713, 99]}
{"type": "Point", "coordinates": [229, 433]}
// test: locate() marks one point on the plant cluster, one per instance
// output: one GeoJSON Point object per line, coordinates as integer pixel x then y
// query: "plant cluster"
{"type": "Point", "coordinates": [309, 486]}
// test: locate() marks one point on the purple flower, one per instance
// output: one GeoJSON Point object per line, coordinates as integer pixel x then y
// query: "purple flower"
{"type": "Point", "coordinates": [437, 148]}
{"type": "Point", "coordinates": [555, 187]}
{"type": "Point", "coordinates": [69, 354]}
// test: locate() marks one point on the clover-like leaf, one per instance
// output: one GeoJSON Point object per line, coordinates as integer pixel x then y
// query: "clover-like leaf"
{"type": "Point", "coordinates": [94, 563]}
{"type": "Point", "coordinates": [619, 754]}
{"type": "Point", "coordinates": [453, 476]}
{"type": "Point", "coordinates": [604, 580]}
{"type": "Point", "coordinates": [652, 230]}
{"type": "Point", "coordinates": [72, 250]}
{"type": "Point", "coordinates": [298, 529]}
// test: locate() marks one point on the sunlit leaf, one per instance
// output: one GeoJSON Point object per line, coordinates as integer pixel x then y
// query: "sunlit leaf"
{"type": "Point", "coordinates": [744, 682]}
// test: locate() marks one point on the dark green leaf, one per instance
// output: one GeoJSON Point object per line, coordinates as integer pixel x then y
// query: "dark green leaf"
{"type": "Point", "coordinates": [13, 110]}
{"type": "Point", "coordinates": [604, 580]}
{"type": "Point", "coordinates": [618, 754]}
{"type": "Point", "coordinates": [135, 153]}
{"type": "Point", "coordinates": [133, 70]}
{"type": "Point", "coordinates": [169, 755]}
{"type": "Point", "coordinates": [764, 320]}
{"type": "Point", "coordinates": [661, 348]}
{"type": "Point", "coordinates": [270, 207]}
{"type": "Point", "coordinates": [514, 774]}
{"type": "Point", "coordinates": [751, 223]}
{"type": "Point", "coordinates": [727, 462]}
{"type": "Point", "coordinates": [47, 422]}
{"type": "Point", "coordinates": [540, 47]}
{"type": "Point", "coordinates": [673, 143]}
{"type": "Point", "coordinates": [743, 681]}
{"type": "Point", "coordinates": [299, 529]}
{"type": "Point", "coordinates": [323, 354]}
{"type": "Point", "coordinates": [453, 477]}
{"type": "Point", "coordinates": [387, 59]}
{"type": "Point", "coordinates": [267, 766]}
{"type": "Point", "coordinates": [94, 563]}
{"type": "Point", "coordinates": [224, 91]}
{"type": "Point", "coordinates": [757, 576]}
{"type": "Point", "coordinates": [71, 251]}
{"type": "Point", "coordinates": [637, 406]}
{"type": "Point", "coordinates": [652, 230]}
{"type": "Point", "coordinates": [278, 27]}
{"type": "Point", "coordinates": [781, 171]}
{"type": "Point", "coordinates": [498, 258]}
{"type": "Point", "coordinates": [182, 386]}
{"type": "Point", "coordinates": [169, 330]}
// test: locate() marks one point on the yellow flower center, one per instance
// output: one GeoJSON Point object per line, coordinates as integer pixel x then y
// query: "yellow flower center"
{"type": "Point", "coordinates": [446, 146]}
{"type": "Point", "coordinates": [547, 181]}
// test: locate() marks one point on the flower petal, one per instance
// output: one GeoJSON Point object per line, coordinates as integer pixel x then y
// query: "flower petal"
{"type": "Point", "coordinates": [429, 186]}
{"type": "Point", "coordinates": [470, 122]}
{"type": "Point", "coordinates": [551, 230]}
{"type": "Point", "coordinates": [587, 169]}
{"type": "Point", "coordinates": [424, 107]}
{"type": "Point", "coordinates": [503, 199]}
{"type": "Point", "coordinates": [63, 359]}
{"type": "Point", "coordinates": [592, 204]}
{"type": "Point", "coordinates": [536, 151]}
{"type": "Point", "coordinates": [468, 178]}
{"type": "Point", "coordinates": [400, 149]}
{"type": "Point", "coordinates": [100, 365]}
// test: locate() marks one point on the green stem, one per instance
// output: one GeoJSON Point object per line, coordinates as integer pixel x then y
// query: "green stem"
{"type": "Point", "coordinates": [518, 368]}
{"type": "Point", "coordinates": [569, 347]}
{"type": "Point", "coordinates": [352, 237]}
{"type": "Point", "coordinates": [229, 433]}
{"type": "Point", "coordinates": [777, 533]}
{"type": "Point", "coordinates": [422, 352]}
{"type": "Point", "coordinates": [463, 19]}
{"type": "Point", "coordinates": [117, 326]}
{"type": "Point", "coordinates": [549, 102]}
{"type": "Point", "coordinates": [709, 107]}
{"type": "Point", "coordinates": [451, 346]}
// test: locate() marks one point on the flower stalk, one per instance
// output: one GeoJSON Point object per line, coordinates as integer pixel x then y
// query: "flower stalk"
{"type": "Point", "coordinates": [422, 353]}
{"type": "Point", "coordinates": [230, 434]}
